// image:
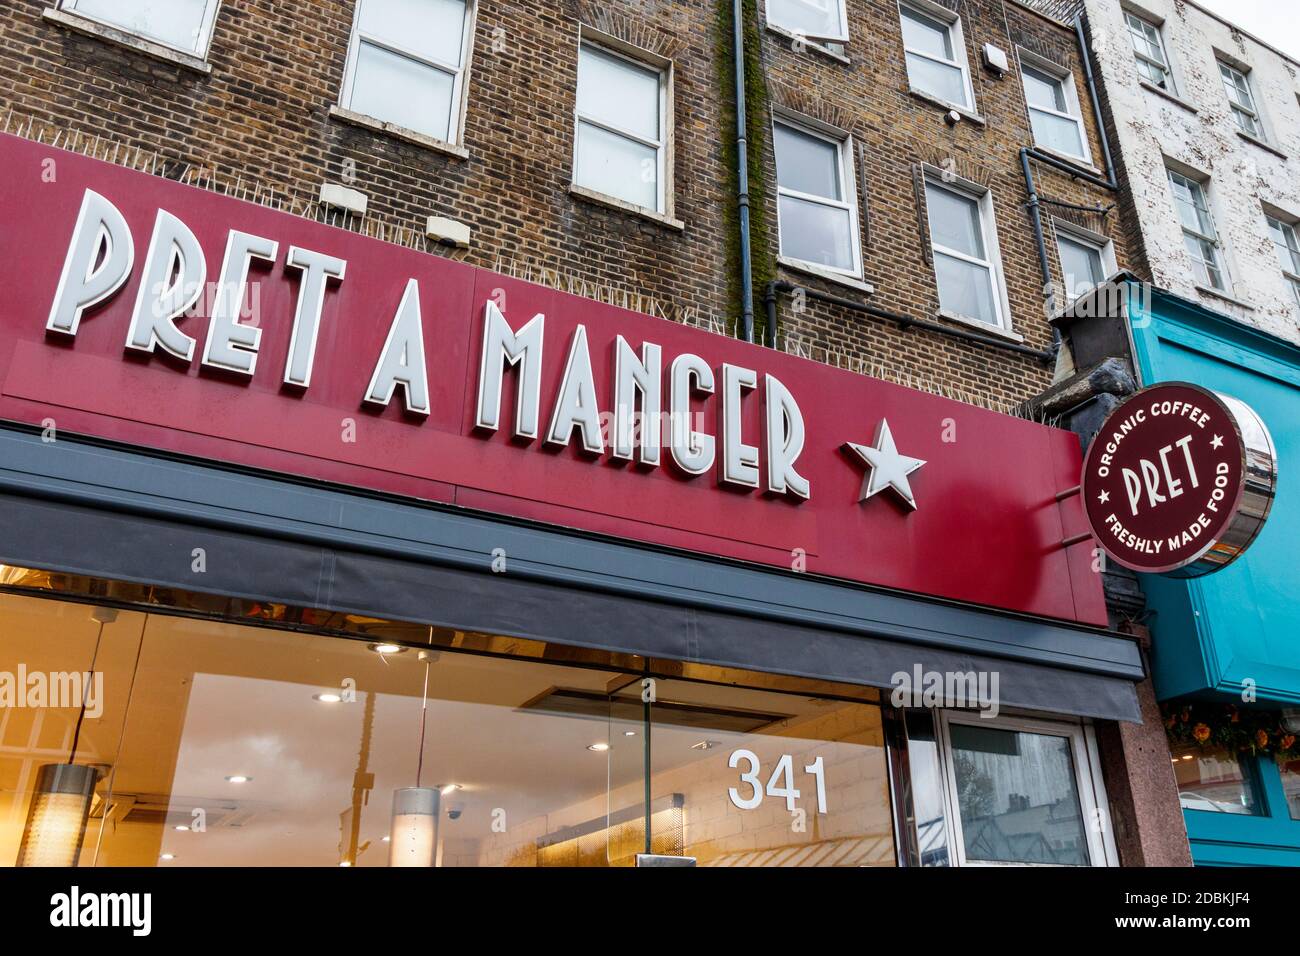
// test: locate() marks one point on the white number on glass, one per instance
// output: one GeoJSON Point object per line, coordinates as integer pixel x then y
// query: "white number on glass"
{"type": "Point", "coordinates": [818, 770]}
{"type": "Point", "coordinates": [750, 777]}
{"type": "Point", "coordinates": [784, 768]}
{"type": "Point", "coordinates": [779, 784]}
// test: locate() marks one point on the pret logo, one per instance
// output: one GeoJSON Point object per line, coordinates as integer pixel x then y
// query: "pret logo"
{"type": "Point", "coordinates": [1179, 479]}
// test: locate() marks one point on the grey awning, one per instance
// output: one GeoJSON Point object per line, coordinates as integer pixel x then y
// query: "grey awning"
{"type": "Point", "coordinates": [106, 512]}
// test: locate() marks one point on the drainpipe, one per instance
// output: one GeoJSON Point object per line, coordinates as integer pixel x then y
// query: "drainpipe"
{"type": "Point", "coordinates": [1036, 217]}
{"type": "Point", "coordinates": [742, 174]}
{"type": "Point", "coordinates": [769, 306]}
{"type": "Point", "coordinates": [1091, 83]}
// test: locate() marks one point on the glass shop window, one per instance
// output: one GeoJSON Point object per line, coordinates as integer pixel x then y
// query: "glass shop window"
{"type": "Point", "coordinates": [1213, 779]}
{"type": "Point", "coordinates": [988, 791]}
{"type": "Point", "coordinates": [769, 779]}
{"type": "Point", "coordinates": [351, 741]}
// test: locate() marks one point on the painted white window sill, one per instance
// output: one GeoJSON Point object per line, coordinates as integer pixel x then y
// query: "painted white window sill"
{"type": "Point", "coordinates": [1171, 97]}
{"type": "Point", "coordinates": [964, 111]}
{"type": "Point", "coordinates": [1224, 297]}
{"type": "Point", "coordinates": [1079, 163]}
{"type": "Point", "coordinates": [812, 269]}
{"type": "Point", "coordinates": [353, 118]}
{"type": "Point", "coordinates": [808, 44]}
{"type": "Point", "coordinates": [1268, 147]}
{"type": "Point", "coordinates": [994, 330]}
{"type": "Point", "coordinates": [622, 205]}
{"type": "Point", "coordinates": [125, 38]}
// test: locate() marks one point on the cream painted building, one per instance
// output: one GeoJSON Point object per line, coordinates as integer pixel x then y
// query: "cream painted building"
{"type": "Point", "coordinates": [1207, 132]}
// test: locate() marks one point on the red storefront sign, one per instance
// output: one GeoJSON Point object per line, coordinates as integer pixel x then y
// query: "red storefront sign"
{"type": "Point", "coordinates": [1178, 479]}
{"type": "Point", "coordinates": [371, 365]}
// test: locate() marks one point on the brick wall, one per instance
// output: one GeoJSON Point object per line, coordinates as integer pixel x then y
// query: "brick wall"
{"type": "Point", "coordinates": [262, 113]}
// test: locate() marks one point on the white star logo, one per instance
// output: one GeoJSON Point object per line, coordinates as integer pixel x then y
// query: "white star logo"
{"type": "Point", "coordinates": [1217, 442]}
{"type": "Point", "coordinates": [1104, 497]}
{"type": "Point", "coordinates": [886, 468]}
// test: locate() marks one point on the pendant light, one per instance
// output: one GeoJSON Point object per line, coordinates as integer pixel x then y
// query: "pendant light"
{"type": "Point", "coordinates": [56, 819]}
{"type": "Point", "coordinates": [413, 838]}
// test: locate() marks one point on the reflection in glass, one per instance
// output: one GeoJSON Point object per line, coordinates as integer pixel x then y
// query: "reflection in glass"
{"type": "Point", "coordinates": [927, 790]}
{"type": "Point", "coordinates": [1017, 796]}
{"type": "Point", "coordinates": [1212, 779]}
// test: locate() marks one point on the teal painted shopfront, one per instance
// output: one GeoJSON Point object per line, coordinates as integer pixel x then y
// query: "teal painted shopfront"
{"type": "Point", "coordinates": [1226, 659]}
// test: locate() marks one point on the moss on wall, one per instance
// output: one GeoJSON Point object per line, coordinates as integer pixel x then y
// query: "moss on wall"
{"type": "Point", "coordinates": [757, 110]}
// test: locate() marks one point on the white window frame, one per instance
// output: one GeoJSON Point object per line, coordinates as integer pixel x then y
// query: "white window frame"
{"type": "Point", "coordinates": [1288, 225]}
{"type": "Point", "coordinates": [1084, 237]}
{"type": "Point", "coordinates": [988, 231]}
{"type": "Point", "coordinates": [841, 37]}
{"type": "Point", "coordinates": [1072, 104]}
{"type": "Point", "coordinates": [663, 147]}
{"type": "Point", "coordinates": [1094, 807]}
{"type": "Point", "coordinates": [202, 42]}
{"type": "Point", "coordinates": [951, 20]}
{"type": "Point", "coordinates": [1238, 109]}
{"type": "Point", "coordinates": [843, 142]}
{"type": "Point", "coordinates": [460, 81]}
{"type": "Point", "coordinates": [1221, 257]}
{"type": "Point", "coordinates": [1157, 27]}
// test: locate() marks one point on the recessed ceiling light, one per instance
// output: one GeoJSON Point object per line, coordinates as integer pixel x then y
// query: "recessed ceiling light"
{"type": "Point", "coordinates": [327, 698]}
{"type": "Point", "coordinates": [183, 828]}
{"type": "Point", "coordinates": [386, 648]}
{"type": "Point", "coordinates": [238, 778]}
{"type": "Point", "coordinates": [449, 788]}
{"type": "Point", "coordinates": [167, 856]}
{"type": "Point", "coordinates": [629, 733]}
{"type": "Point", "coordinates": [345, 863]}
{"type": "Point", "coordinates": [1187, 756]}
{"type": "Point", "coordinates": [599, 748]}
{"type": "Point", "coordinates": [386, 838]}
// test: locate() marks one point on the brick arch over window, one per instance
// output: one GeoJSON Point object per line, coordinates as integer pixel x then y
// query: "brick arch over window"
{"type": "Point", "coordinates": [805, 104]}
{"type": "Point", "coordinates": [629, 28]}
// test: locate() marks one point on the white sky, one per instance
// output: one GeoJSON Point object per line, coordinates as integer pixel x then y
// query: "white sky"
{"type": "Point", "coordinates": [1276, 22]}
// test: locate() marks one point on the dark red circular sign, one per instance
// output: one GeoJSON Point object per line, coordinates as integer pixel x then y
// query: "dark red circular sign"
{"type": "Point", "coordinates": [1163, 479]}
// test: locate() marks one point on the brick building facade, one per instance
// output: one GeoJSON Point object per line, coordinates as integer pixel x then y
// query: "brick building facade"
{"type": "Point", "coordinates": [257, 110]}
{"type": "Point", "coordinates": [261, 109]}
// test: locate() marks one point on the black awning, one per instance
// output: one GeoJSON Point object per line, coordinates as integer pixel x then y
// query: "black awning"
{"type": "Point", "coordinates": [106, 512]}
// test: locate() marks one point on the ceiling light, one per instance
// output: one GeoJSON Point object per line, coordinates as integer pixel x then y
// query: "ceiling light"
{"type": "Point", "coordinates": [449, 788]}
{"type": "Point", "coordinates": [629, 733]}
{"type": "Point", "coordinates": [182, 827]}
{"type": "Point", "coordinates": [238, 778]}
{"type": "Point", "coordinates": [414, 830]}
{"type": "Point", "coordinates": [1187, 756]}
{"type": "Point", "coordinates": [387, 648]}
{"type": "Point", "coordinates": [56, 819]}
{"type": "Point", "coordinates": [599, 748]}
{"type": "Point", "coordinates": [386, 839]}
{"type": "Point", "coordinates": [345, 863]}
{"type": "Point", "coordinates": [167, 856]}
{"type": "Point", "coordinates": [327, 698]}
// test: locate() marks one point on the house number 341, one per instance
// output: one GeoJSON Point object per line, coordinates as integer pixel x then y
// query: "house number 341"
{"type": "Point", "coordinates": [779, 784]}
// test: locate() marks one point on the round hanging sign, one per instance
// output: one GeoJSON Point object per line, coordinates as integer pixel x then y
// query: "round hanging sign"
{"type": "Point", "coordinates": [1179, 480]}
